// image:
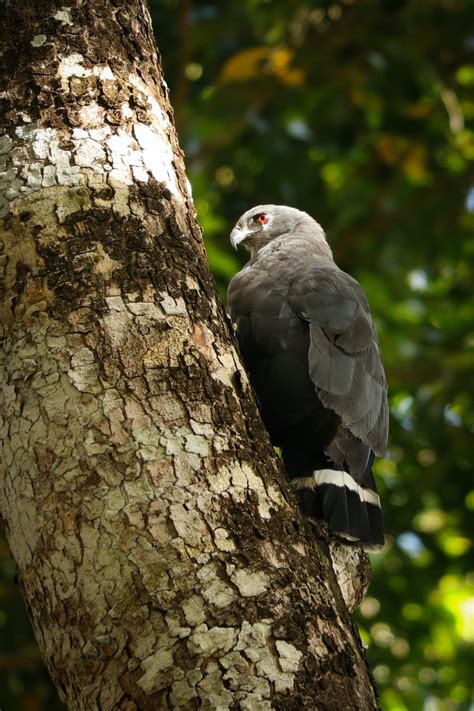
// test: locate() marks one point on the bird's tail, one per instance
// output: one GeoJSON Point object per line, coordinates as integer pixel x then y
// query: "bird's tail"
{"type": "Point", "coordinates": [351, 510]}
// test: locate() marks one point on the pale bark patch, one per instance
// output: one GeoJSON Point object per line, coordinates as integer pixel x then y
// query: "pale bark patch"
{"type": "Point", "coordinates": [64, 16]}
{"type": "Point", "coordinates": [250, 583]}
{"type": "Point", "coordinates": [38, 40]}
{"type": "Point", "coordinates": [157, 155]}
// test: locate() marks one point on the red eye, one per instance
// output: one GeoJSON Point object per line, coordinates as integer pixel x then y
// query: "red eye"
{"type": "Point", "coordinates": [262, 217]}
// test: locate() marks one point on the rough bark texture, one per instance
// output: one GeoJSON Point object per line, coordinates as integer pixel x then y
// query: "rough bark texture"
{"type": "Point", "coordinates": [163, 564]}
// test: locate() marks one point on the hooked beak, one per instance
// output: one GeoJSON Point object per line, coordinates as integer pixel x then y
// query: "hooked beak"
{"type": "Point", "coordinates": [238, 235]}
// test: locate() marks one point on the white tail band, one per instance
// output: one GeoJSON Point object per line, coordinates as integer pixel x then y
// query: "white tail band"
{"type": "Point", "coordinates": [336, 478]}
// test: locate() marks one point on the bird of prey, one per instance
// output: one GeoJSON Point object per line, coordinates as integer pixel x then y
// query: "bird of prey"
{"type": "Point", "coordinates": [309, 345]}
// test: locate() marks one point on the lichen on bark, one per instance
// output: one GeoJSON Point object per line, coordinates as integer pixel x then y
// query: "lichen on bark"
{"type": "Point", "coordinates": [163, 561]}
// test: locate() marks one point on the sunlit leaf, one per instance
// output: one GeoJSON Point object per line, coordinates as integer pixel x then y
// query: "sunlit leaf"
{"type": "Point", "coordinates": [256, 62]}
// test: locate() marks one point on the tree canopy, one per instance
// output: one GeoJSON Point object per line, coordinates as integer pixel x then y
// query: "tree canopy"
{"type": "Point", "coordinates": [362, 114]}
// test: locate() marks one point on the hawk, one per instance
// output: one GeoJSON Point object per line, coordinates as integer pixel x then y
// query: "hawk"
{"type": "Point", "coordinates": [312, 354]}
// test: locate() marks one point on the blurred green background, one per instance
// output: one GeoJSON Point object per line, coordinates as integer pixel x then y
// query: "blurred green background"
{"type": "Point", "coordinates": [360, 112]}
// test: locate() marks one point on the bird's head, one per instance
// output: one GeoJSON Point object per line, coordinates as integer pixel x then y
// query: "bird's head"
{"type": "Point", "coordinates": [264, 223]}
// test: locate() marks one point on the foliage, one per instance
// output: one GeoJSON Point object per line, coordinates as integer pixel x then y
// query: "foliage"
{"type": "Point", "coordinates": [361, 113]}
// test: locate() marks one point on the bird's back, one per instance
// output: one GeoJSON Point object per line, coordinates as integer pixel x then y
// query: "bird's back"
{"type": "Point", "coordinates": [274, 341]}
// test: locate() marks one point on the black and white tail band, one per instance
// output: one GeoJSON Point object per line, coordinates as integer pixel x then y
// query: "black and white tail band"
{"type": "Point", "coordinates": [351, 510]}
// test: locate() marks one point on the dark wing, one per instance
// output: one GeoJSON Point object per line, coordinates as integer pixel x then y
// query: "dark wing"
{"type": "Point", "coordinates": [344, 356]}
{"type": "Point", "coordinates": [274, 342]}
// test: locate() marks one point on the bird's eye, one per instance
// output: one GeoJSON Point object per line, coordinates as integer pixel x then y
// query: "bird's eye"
{"type": "Point", "coordinates": [262, 217]}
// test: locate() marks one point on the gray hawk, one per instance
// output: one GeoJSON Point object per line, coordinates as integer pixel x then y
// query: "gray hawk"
{"type": "Point", "coordinates": [309, 345]}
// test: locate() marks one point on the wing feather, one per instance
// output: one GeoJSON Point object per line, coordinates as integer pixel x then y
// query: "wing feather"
{"type": "Point", "coordinates": [344, 356]}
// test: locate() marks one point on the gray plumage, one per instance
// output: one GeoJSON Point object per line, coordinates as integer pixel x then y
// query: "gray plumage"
{"type": "Point", "coordinates": [308, 341]}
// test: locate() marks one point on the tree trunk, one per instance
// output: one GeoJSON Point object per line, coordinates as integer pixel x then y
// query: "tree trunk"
{"type": "Point", "coordinates": [162, 561]}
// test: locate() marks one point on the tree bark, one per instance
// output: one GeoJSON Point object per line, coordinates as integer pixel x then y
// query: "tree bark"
{"type": "Point", "coordinates": [163, 562]}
